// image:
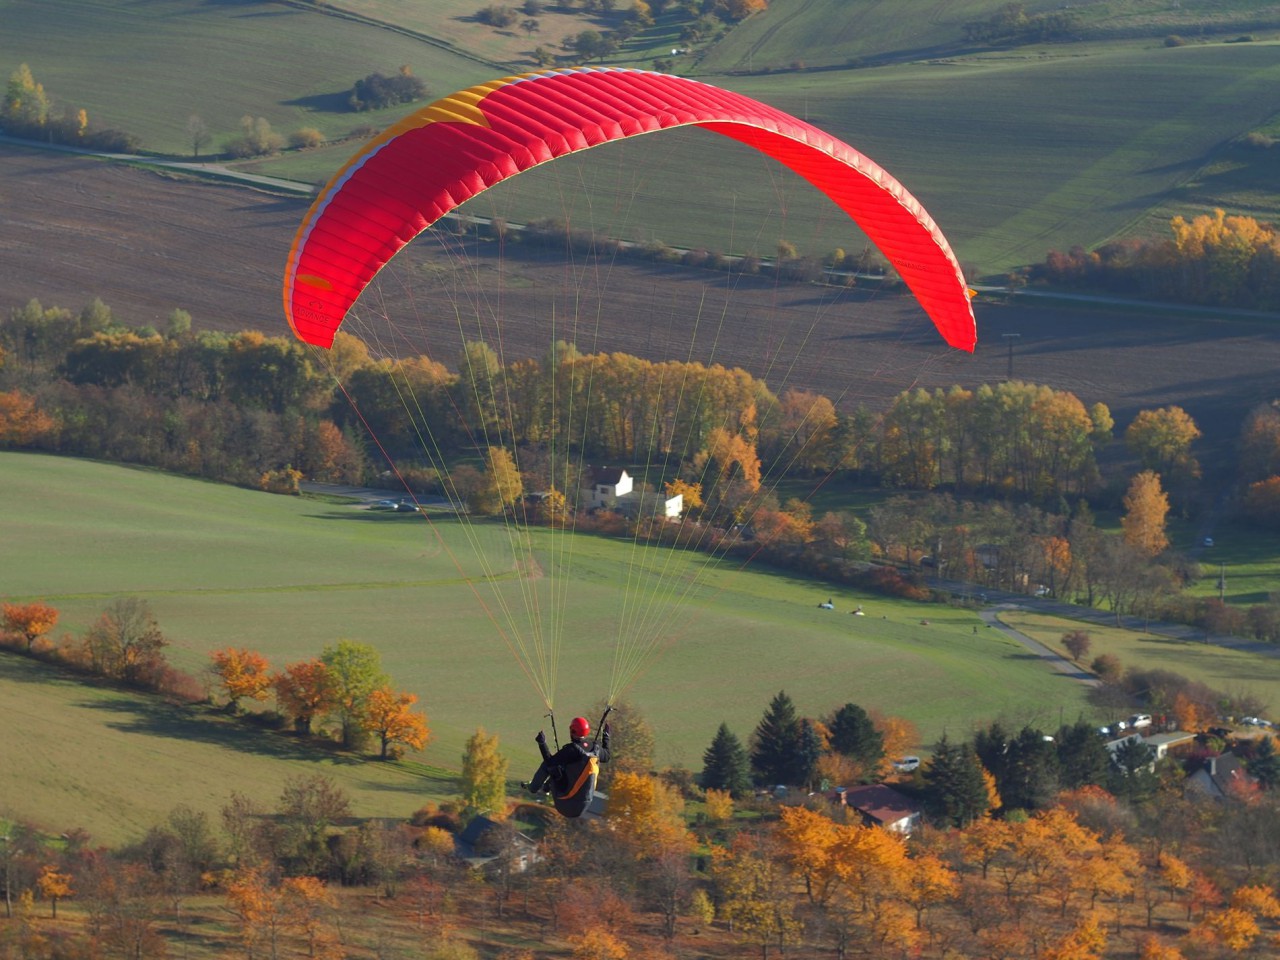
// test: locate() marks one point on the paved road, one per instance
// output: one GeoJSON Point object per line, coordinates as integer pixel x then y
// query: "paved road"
{"type": "Point", "coordinates": [991, 617]}
{"type": "Point", "coordinates": [1060, 608]}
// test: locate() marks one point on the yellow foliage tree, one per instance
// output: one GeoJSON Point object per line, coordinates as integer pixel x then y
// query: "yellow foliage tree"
{"type": "Point", "coordinates": [719, 806]}
{"type": "Point", "coordinates": [1146, 509]}
{"type": "Point", "coordinates": [1234, 928]}
{"type": "Point", "coordinates": [645, 811]}
{"type": "Point", "coordinates": [53, 886]}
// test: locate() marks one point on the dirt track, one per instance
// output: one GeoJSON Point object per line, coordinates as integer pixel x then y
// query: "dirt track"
{"type": "Point", "coordinates": [73, 228]}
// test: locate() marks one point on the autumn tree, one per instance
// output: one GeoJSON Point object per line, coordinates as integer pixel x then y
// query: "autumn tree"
{"type": "Point", "coordinates": [502, 487]}
{"type": "Point", "coordinates": [22, 422]}
{"type": "Point", "coordinates": [484, 776]}
{"type": "Point", "coordinates": [1260, 443]}
{"type": "Point", "coordinates": [53, 886]}
{"type": "Point", "coordinates": [126, 643]}
{"type": "Point", "coordinates": [243, 673]}
{"type": "Point", "coordinates": [754, 890]}
{"type": "Point", "coordinates": [645, 811]}
{"type": "Point", "coordinates": [389, 716]}
{"type": "Point", "coordinates": [303, 692]}
{"type": "Point", "coordinates": [632, 738]}
{"type": "Point", "coordinates": [309, 806]}
{"type": "Point", "coordinates": [1161, 440]}
{"type": "Point", "coordinates": [1077, 643]}
{"type": "Point", "coordinates": [1146, 508]}
{"type": "Point", "coordinates": [1262, 502]}
{"type": "Point", "coordinates": [354, 672]}
{"type": "Point", "coordinates": [26, 105]}
{"type": "Point", "coordinates": [725, 764]}
{"type": "Point", "coordinates": [30, 621]}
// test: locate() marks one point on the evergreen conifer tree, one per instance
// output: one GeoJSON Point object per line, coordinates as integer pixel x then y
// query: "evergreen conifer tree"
{"type": "Point", "coordinates": [955, 793]}
{"type": "Point", "coordinates": [776, 743]}
{"type": "Point", "coordinates": [808, 753]}
{"type": "Point", "coordinates": [1082, 756]}
{"type": "Point", "coordinates": [1265, 765]}
{"type": "Point", "coordinates": [725, 765]}
{"type": "Point", "coordinates": [854, 735]}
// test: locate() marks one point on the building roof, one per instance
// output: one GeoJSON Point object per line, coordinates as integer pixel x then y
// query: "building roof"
{"type": "Point", "coordinates": [881, 803]}
{"type": "Point", "coordinates": [1219, 776]}
{"type": "Point", "coordinates": [607, 475]}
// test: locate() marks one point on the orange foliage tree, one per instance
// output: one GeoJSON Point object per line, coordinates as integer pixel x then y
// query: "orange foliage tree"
{"type": "Point", "coordinates": [243, 673]}
{"type": "Point", "coordinates": [54, 886]}
{"type": "Point", "coordinates": [303, 691]}
{"type": "Point", "coordinates": [21, 422]}
{"type": "Point", "coordinates": [29, 620]}
{"type": "Point", "coordinates": [389, 716]}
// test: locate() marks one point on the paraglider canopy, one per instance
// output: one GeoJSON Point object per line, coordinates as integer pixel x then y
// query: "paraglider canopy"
{"type": "Point", "coordinates": [421, 168]}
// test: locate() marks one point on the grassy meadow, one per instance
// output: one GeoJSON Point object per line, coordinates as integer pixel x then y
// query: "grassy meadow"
{"type": "Point", "coordinates": [1229, 671]}
{"type": "Point", "coordinates": [222, 566]}
{"type": "Point", "coordinates": [1014, 151]}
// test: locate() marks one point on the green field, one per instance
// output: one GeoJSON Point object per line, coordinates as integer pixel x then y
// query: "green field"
{"type": "Point", "coordinates": [1014, 151]}
{"type": "Point", "coordinates": [1225, 670]}
{"type": "Point", "coordinates": [823, 34]}
{"type": "Point", "coordinates": [222, 566]}
{"type": "Point", "coordinates": [220, 61]}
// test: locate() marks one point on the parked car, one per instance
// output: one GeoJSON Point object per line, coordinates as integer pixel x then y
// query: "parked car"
{"type": "Point", "coordinates": [907, 764]}
{"type": "Point", "coordinates": [1207, 541]}
{"type": "Point", "coordinates": [1255, 722]}
{"type": "Point", "coordinates": [1139, 720]}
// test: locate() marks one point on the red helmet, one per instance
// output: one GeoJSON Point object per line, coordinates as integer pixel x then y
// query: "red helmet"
{"type": "Point", "coordinates": [579, 728]}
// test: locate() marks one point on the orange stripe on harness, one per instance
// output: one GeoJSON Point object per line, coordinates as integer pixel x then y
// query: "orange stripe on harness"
{"type": "Point", "coordinates": [590, 770]}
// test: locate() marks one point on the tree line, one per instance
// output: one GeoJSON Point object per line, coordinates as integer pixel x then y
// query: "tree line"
{"type": "Point", "coordinates": [254, 410]}
{"type": "Point", "coordinates": [1032, 847]}
{"type": "Point", "coordinates": [1212, 259]}
{"type": "Point", "coordinates": [345, 685]}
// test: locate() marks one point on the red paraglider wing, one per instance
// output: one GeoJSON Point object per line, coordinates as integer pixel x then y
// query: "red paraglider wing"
{"type": "Point", "coordinates": [446, 153]}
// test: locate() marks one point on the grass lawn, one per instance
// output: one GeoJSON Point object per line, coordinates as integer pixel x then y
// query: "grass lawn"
{"type": "Point", "coordinates": [222, 566]}
{"type": "Point", "coordinates": [1226, 670]}
{"type": "Point", "coordinates": [76, 754]}
{"type": "Point", "coordinates": [220, 61]}
{"type": "Point", "coordinates": [1014, 152]}
{"type": "Point", "coordinates": [1019, 157]}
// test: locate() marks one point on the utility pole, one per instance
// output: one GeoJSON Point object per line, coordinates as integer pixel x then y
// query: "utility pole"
{"type": "Point", "coordinates": [1222, 583]}
{"type": "Point", "coordinates": [1010, 338]}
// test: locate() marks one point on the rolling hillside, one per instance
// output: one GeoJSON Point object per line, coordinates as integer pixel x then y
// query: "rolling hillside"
{"type": "Point", "coordinates": [222, 566]}
{"type": "Point", "coordinates": [1014, 150]}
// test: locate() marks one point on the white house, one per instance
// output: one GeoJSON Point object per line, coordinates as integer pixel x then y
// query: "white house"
{"type": "Point", "coordinates": [612, 488]}
{"type": "Point", "coordinates": [607, 485]}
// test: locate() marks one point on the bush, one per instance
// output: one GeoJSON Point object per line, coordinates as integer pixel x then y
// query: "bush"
{"type": "Point", "coordinates": [1173, 40]}
{"type": "Point", "coordinates": [377, 92]}
{"type": "Point", "coordinates": [256, 140]}
{"type": "Point", "coordinates": [499, 16]}
{"type": "Point", "coordinates": [305, 138]}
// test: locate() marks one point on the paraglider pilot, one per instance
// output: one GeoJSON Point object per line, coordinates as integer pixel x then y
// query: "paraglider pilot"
{"type": "Point", "coordinates": [570, 774]}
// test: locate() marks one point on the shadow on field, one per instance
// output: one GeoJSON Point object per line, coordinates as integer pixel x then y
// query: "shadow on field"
{"type": "Point", "coordinates": [163, 720]}
{"type": "Point", "coordinates": [323, 102]}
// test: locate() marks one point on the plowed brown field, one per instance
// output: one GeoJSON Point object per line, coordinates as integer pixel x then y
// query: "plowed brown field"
{"type": "Point", "coordinates": [73, 228]}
